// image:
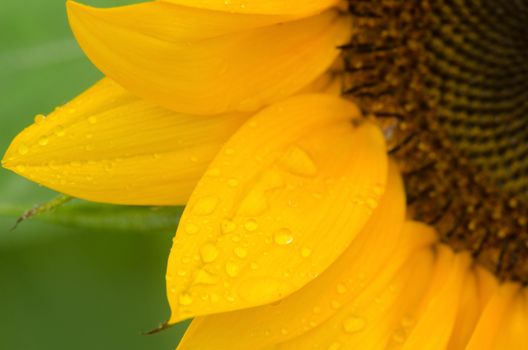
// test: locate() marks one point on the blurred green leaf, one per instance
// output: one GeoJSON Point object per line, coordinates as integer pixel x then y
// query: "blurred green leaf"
{"type": "Point", "coordinates": [96, 216]}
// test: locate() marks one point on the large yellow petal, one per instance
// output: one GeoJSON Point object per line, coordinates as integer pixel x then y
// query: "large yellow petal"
{"type": "Point", "coordinates": [277, 7]}
{"type": "Point", "coordinates": [344, 280]}
{"type": "Point", "coordinates": [207, 62]}
{"type": "Point", "coordinates": [109, 146]}
{"type": "Point", "coordinates": [277, 206]}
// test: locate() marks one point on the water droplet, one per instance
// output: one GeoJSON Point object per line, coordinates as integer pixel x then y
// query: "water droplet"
{"type": "Point", "coordinates": [372, 203]}
{"type": "Point", "coordinates": [43, 141]}
{"type": "Point", "coordinates": [298, 162]}
{"type": "Point", "coordinates": [20, 168]}
{"type": "Point", "coordinates": [185, 299]}
{"type": "Point", "coordinates": [241, 252]}
{"type": "Point", "coordinates": [92, 119]}
{"type": "Point", "coordinates": [341, 288]}
{"type": "Point", "coordinates": [108, 166]}
{"type": "Point", "coordinates": [23, 149]}
{"type": "Point", "coordinates": [378, 190]}
{"type": "Point", "coordinates": [306, 252]}
{"type": "Point", "coordinates": [251, 225]}
{"type": "Point", "coordinates": [205, 205]}
{"type": "Point", "coordinates": [194, 159]}
{"type": "Point", "coordinates": [204, 277]}
{"type": "Point", "coordinates": [316, 309]}
{"type": "Point", "coordinates": [59, 131]}
{"type": "Point", "coordinates": [353, 324]}
{"type": "Point", "coordinates": [227, 226]}
{"type": "Point", "coordinates": [284, 331]}
{"type": "Point", "coordinates": [254, 203]}
{"type": "Point", "coordinates": [283, 237]}
{"type": "Point", "coordinates": [229, 151]}
{"type": "Point", "coordinates": [191, 228]}
{"type": "Point", "coordinates": [209, 253]}
{"type": "Point", "coordinates": [232, 269]}
{"type": "Point", "coordinates": [39, 118]}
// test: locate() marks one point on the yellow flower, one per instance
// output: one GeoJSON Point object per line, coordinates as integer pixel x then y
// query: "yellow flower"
{"type": "Point", "coordinates": [296, 233]}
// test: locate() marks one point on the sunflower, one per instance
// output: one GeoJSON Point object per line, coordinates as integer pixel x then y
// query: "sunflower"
{"type": "Point", "coordinates": [354, 174]}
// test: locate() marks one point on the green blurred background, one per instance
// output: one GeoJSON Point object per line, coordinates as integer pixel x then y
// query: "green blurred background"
{"type": "Point", "coordinates": [69, 284]}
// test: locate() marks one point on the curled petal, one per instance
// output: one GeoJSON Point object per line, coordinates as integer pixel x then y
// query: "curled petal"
{"type": "Point", "coordinates": [276, 207]}
{"type": "Point", "coordinates": [207, 62]}
{"type": "Point", "coordinates": [107, 145]}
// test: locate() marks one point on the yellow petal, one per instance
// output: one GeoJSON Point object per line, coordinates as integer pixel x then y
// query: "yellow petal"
{"type": "Point", "coordinates": [479, 287]}
{"type": "Point", "coordinates": [371, 319]}
{"type": "Point", "coordinates": [285, 201]}
{"type": "Point", "coordinates": [359, 265]}
{"type": "Point", "coordinates": [436, 316]}
{"type": "Point", "coordinates": [207, 62]}
{"type": "Point", "coordinates": [512, 333]}
{"type": "Point", "coordinates": [277, 7]}
{"type": "Point", "coordinates": [493, 326]}
{"type": "Point", "coordinates": [109, 146]}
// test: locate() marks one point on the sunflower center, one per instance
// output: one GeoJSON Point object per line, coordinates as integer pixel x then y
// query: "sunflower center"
{"type": "Point", "coordinates": [448, 82]}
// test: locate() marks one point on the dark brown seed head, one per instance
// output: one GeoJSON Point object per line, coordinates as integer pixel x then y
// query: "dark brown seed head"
{"type": "Point", "coordinates": [448, 81]}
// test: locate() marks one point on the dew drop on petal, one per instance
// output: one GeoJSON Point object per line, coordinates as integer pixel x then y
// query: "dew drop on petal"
{"type": "Point", "coordinates": [251, 225]}
{"type": "Point", "coordinates": [232, 269]}
{"type": "Point", "coordinates": [353, 324]}
{"type": "Point", "coordinates": [341, 288]}
{"type": "Point", "coordinates": [191, 228]}
{"type": "Point", "coordinates": [283, 237]}
{"type": "Point", "coordinates": [255, 203]}
{"type": "Point", "coordinates": [39, 118]}
{"type": "Point", "coordinates": [209, 252]}
{"type": "Point", "coordinates": [43, 141]}
{"type": "Point", "coordinates": [371, 203]}
{"type": "Point", "coordinates": [227, 226]}
{"type": "Point", "coordinates": [185, 299]}
{"type": "Point", "coordinates": [298, 162]}
{"type": "Point", "coordinates": [59, 131]}
{"type": "Point", "coordinates": [241, 252]}
{"type": "Point", "coordinates": [205, 205]}
{"type": "Point", "coordinates": [204, 277]}
{"type": "Point", "coordinates": [23, 149]}
{"type": "Point", "coordinates": [306, 252]}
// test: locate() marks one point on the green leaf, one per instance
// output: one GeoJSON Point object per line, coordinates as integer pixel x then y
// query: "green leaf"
{"type": "Point", "coordinates": [98, 216]}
